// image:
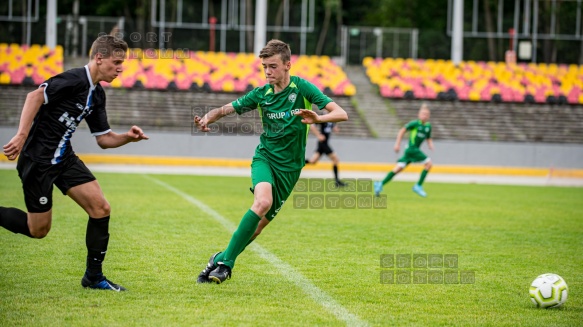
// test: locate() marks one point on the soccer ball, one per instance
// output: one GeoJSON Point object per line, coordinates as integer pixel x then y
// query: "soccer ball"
{"type": "Point", "coordinates": [548, 291]}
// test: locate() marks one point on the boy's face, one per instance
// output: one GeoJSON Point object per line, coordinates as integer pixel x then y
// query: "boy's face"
{"type": "Point", "coordinates": [424, 115]}
{"type": "Point", "coordinates": [274, 68]}
{"type": "Point", "coordinates": [110, 67]}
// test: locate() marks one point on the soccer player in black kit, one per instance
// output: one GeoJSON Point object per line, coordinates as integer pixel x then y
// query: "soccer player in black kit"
{"type": "Point", "coordinates": [323, 136]}
{"type": "Point", "coordinates": [49, 118]}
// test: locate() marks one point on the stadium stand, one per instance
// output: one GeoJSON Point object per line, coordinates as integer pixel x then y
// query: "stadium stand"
{"type": "Point", "coordinates": [174, 70]}
{"type": "Point", "coordinates": [162, 91]}
{"type": "Point", "coordinates": [171, 110]}
{"type": "Point", "coordinates": [29, 65]}
{"type": "Point", "coordinates": [222, 72]}
{"type": "Point", "coordinates": [505, 122]}
{"type": "Point", "coordinates": [476, 81]}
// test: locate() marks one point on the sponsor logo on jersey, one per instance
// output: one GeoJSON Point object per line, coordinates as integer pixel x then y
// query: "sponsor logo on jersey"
{"type": "Point", "coordinates": [280, 115]}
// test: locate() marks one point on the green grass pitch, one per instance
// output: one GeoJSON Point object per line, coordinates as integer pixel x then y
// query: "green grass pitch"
{"type": "Point", "coordinates": [504, 235]}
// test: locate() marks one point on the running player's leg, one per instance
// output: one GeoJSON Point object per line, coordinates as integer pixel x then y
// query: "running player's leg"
{"type": "Point", "coordinates": [223, 262]}
{"type": "Point", "coordinates": [31, 224]}
{"type": "Point", "coordinates": [335, 161]}
{"type": "Point", "coordinates": [90, 197]}
{"type": "Point", "coordinates": [426, 167]}
{"type": "Point", "coordinates": [37, 184]}
{"type": "Point", "coordinates": [315, 157]}
{"type": "Point", "coordinates": [321, 149]}
{"type": "Point", "coordinates": [80, 185]}
{"type": "Point", "coordinates": [397, 169]}
{"type": "Point", "coordinates": [277, 190]}
{"type": "Point", "coordinates": [401, 164]}
{"type": "Point", "coordinates": [418, 188]}
{"type": "Point", "coordinates": [263, 200]}
{"type": "Point", "coordinates": [203, 277]}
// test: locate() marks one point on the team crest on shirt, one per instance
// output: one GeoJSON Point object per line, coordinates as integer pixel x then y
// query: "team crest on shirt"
{"type": "Point", "coordinates": [292, 97]}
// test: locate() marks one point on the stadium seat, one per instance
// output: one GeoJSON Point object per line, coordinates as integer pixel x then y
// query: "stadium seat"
{"type": "Point", "coordinates": [475, 81]}
{"type": "Point", "coordinates": [29, 64]}
{"type": "Point", "coordinates": [225, 72]}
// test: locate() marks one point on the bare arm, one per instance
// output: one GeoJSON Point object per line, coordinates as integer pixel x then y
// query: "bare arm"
{"type": "Point", "coordinates": [400, 135]}
{"type": "Point", "coordinates": [430, 144]}
{"type": "Point", "coordinates": [315, 131]}
{"type": "Point", "coordinates": [212, 116]}
{"type": "Point", "coordinates": [31, 107]}
{"type": "Point", "coordinates": [335, 114]}
{"type": "Point", "coordinates": [114, 140]}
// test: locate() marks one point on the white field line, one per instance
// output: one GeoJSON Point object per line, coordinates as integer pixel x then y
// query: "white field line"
{"type": "Point", "coordinates": [286, 270]}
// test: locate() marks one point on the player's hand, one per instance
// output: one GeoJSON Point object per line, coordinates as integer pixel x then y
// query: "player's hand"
{"type": "Point", "coordinates": [397, 148]}
{"type": "Point", "coordinates": [136, 134]}
{"type": "Point", "coordinates": [12, 149]}
{"type": "Point", "coordinates": [321, 138]}
{"type": "Point", "coordinates": [202, 123]}
{"type": "Point", "coordinates": [308, 116]}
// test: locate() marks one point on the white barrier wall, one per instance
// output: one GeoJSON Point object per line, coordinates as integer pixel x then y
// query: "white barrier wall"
{"type": "Point", "coordinates": [184, 144]}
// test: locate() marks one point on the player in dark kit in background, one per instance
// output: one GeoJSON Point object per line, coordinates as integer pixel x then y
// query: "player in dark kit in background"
{"type": "Point", "coordinates": [49, 118]}
{"type": "Point", "coordinates": [323, 136]}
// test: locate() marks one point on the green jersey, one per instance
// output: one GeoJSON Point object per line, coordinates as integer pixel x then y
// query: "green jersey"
{"type": "Point", "coordinates": [283, 141]}
{"type": "Point", "coordinates": [418, 132]}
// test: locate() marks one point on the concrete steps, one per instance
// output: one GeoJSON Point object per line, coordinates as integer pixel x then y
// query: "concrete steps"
{"type": "Point", "coordinates": [380, 118]}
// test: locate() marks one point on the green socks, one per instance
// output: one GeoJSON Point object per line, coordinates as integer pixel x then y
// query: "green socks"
{"type": "Point", "coordinates": [240, 239]}
{"type": "Point", "coordinates": [388, 178]}
{"type": "Point", "coordinates": [422, 177]}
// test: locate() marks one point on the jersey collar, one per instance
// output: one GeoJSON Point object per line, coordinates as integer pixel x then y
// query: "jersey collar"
{"type": "Point", "coordinates": [89, 77]}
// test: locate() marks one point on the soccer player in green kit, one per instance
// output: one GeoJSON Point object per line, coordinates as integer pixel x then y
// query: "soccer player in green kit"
{"type": "Point", "coordinates": [419, 131]}
{"type": "Point", "coordinates": [285, 107]}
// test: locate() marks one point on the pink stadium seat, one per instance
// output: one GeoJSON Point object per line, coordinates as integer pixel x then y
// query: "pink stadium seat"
{"type": "Point", "coordinates": [540, 96]}
{"type": "Point", "coordinates": [430, 93]}
{"type": "Point", "coordinates": [386, 91]}
{"type": "Point", "coordinates": [463, 93]}
{"type": "Point", "coordinates": [419, 91]}
{"type": "Point", "coordinates": [398, 93]}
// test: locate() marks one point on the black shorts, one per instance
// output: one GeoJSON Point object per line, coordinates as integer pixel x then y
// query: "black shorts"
{"type": "Point", "coordinates": [38, 179]}
{"type": "Point", "coordinates": [324, 148]}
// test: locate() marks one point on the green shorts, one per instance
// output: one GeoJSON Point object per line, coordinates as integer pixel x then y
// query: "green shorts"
{"type": "Point", "coordinates": [412, 155]}
{"type": "Point", "coordinates": [282, 182]}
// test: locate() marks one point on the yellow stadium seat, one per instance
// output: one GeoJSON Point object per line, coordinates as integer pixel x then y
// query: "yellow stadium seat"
{"type": "Point", "coordinates": [5, 78]}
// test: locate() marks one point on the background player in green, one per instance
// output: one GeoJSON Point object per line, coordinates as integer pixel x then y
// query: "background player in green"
{"type": "Point", "coordinates": [419, 131]}
{"type": "Point", "coordinates": [285, 107]}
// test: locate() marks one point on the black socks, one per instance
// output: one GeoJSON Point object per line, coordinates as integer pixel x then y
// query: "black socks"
{"type": "Point", "coordinates": [96, 239]}
{"type": "Point", "coordinates": [14, 220]}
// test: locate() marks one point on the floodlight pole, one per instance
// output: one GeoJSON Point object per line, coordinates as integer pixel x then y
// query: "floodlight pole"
{"type": "Point", "coordinates": [457, 43]}
{"type": "Point", "coordinates": [260, 26]}
{"type": "Point", "coordinates": [51, 32]}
